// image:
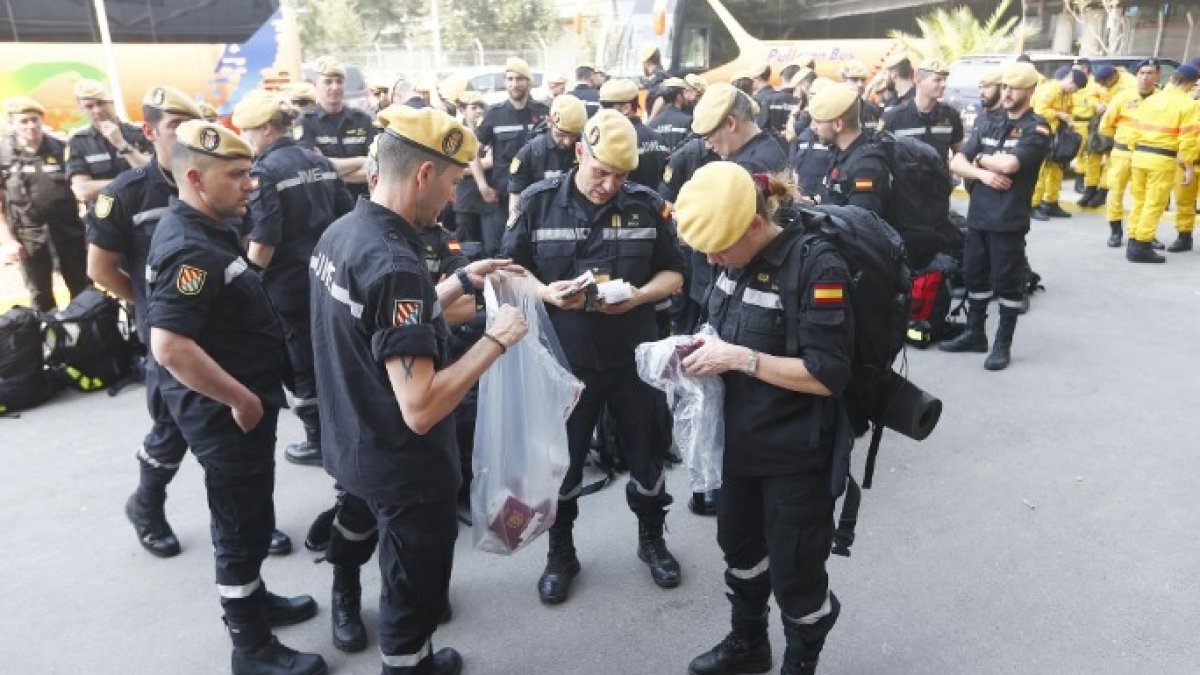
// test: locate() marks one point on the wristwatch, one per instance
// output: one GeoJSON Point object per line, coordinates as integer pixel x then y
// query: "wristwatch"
{"type": "Point", "coordinates": [465, 280]}
{"type": "Point", "coordinates": [751, 366]}
{"type": "Point", "coordinates": [128, 149]}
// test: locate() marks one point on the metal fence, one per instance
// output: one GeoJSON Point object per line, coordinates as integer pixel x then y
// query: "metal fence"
{"type": "Point", "coordinates": [414, 62]}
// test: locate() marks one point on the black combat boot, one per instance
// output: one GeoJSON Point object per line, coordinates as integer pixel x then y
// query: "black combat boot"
{"type": "Point", "coordinates": [146, 510]}
{"type": "Point", "coordinates": [974, 338]}
{"type": "Point", "coordinates": [1039, 213]}
{"type": "Point", "coordinates": [561, 564]}
{"type": "Point", "coordinates": [281, 544]}
{"type": "Point", "coordinates": [1100, 199]}
{"type": "Point", "coordinates": [1114, 239]}
{"type": "Point", "coordinates": [1086, 198]}
{"type": "Point", "coordinates": [805, 641]}
{"type": "Point", "coordinates": [704, 503]}
{"type": "Point", "coordinates": [257, 652]}
{"type": "Point", "coordinates": [652, 550]}
{"type": "Point", "coordinates": [282, 611]}
{"type": "Point", "coordinates": [1142, 252]}
{"type": "Point", "coordinates": [349, 633]}
{"type": "Point", "coordinates": [1078, 184]}
{"type": "Point", "coordinates": [1053, 210]}
{"type": "Point", "coordinates": [307, 453]}
{"type": "Point", "coordinates": [745, 650]}
{"type": "Point", "coordinates": [1001, 346]}
{"type": "Point", "coordinates": [1157, 245]}
{"type": "Point", "coordinates": [446, 661]}
{"type": "Point", "coordinates": [1182, 243]}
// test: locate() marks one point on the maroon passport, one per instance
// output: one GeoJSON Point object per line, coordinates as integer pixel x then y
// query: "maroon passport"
{"type": "Point", "coordinates": [516, 523]}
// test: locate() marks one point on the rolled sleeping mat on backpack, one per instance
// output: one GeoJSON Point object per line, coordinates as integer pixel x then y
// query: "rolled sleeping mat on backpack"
{"type": "Point", "coordinates": [911, 410]}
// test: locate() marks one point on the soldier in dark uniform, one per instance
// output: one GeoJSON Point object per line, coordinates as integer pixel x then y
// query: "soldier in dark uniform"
{"type": "Point", "coordinates": [622, 96]}
{"type": "Point", "coordinates": [925, 117]}
{"type": "Point", "coordinates": [652, 76]}
{"type": "Point", "coordinates": [725, 118]}
{"type": "Point", "coordinates": [298, 195]}
{"type": "Point", "coordinates": [584, 91]}
{"type": "Point", "coordinates": [38, 216]}
{"type": "Point", "coordinates": [685, 306]}
{"type": "Point", "coordinates": [592, 219]}
{"type": "Point", "coordinates": [764, 95]}
{"type": "Point", "coordinates": [900, 85]}
{"type": "Point", "coordinates": [1002, 160]}
{"type": "Point", "coordinates": [120, 227]}
{"type": "Point", "coordinates": [390, 389]}
{"type": "Point", "coordinates": [672, 124]}
{"type": "Point", "coordinates": [104, 148]}
{"type": "Point", "coordinates": [811, 161]}
{"type": "Point", "coordinates": [775, 519]}
{"type": "Point", "coordinates": [339, 133]}
{"type": "Point", "coordinates": [506, 128]}
{"type": "Point", "coordinates": [859, 175]}
{"type": "Point", "coordinates": [215, 334]}
{"type": "Point", "coordinates": [550, 154]}
{"type": "Point", "coordinates": [854, 74]}
{"type": "Point", "coordinates": [469, 207]}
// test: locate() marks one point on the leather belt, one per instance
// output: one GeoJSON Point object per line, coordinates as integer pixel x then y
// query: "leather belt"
{"type": "Point", "coordinates": [1156, 151]}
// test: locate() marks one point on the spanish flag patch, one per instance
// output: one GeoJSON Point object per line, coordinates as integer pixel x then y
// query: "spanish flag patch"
{"type": "Point", "coordinates": [864, 184]}
{"type": "Point", "coordinates": [1043, 129]}
{"type": "Point", "coordinates": [454, 246]}
{"type": "Point", "coordinates": [827, 293]}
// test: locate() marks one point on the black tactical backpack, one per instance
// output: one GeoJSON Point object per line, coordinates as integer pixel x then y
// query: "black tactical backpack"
{"type": "Point", "coordinates": [919, 205]}
{"type": "Point", "coordinates": [24, 382]}
{"type": "Point", "coordinates": [89, 343]}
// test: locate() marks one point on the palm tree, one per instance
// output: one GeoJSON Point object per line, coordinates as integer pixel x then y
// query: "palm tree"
{"type": "Point", "coordinates": [947, 35]}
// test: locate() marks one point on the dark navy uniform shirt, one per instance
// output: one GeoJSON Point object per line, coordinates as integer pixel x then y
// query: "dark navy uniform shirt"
{"type": "Point", "coordinates": [761, 154]}
{"type": "Point", "coordinates": [652, 156]}
{"type": "Point", "coordinates": [590, 97]}
{"type": "Point", "coordinates": [811, 160]}
{"type": "Point", "coordinates": [779, 110]}
{"type": "Point", "coordinates": [123, 220]}
{"type": "Point", "coordinates": [346, 134]}
{"type": "Point", "coordinates": [693, 154]}
{"type": "Point", "coordinates": [556, 235]}
{"type": "Point", "coordinates": [941, 128]}
{"type": "Point", "coordinates": [770, 430]}
{"type": "Point", "coordinates": [538, 160]}
{"type": "Point", "coordinates": [1027, 137]}
{"type": "Point", "coordinates": [870, 115]}
{"type": "Point", "coordinates": [372, 301]}
{"type": "Point", "coordinates": [90, 154]}
{"type": "Point", "coordinates": [507, 130]}
{"type": "Point", "coordinates": [299, 194]}
{"type": "Point", "coordinates": [203, 288]}
{"type": "Point", "coordinates": [35, 186]}
{"type": "Point", "coordinates": [442, 253]}
{"type": "Point", "coordinates": [859, 176]}
{"type": "Point", "coordinates": [672, 126]}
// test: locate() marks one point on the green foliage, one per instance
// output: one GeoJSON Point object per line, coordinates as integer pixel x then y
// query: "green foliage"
{"type": "Point", "coordinates": [947, 35]}
{"type": "Point", "coordinates": [498, 24]}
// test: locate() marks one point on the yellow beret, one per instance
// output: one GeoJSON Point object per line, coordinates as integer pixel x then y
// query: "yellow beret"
{"type": "Point", "coordinates": [696, 82]}
{"type": "Point", "coordinates": [568, 114]}
{"type": "Point", "coordinates": [213, 140]}
{"type": "Point", "coordinates": [470, 98]}
{"type": "Point", "coordinates": [518, 66]}
{"type": "Point", "coordinates": [172, 100]}
{"type": "Point", "coordinates": [91, 90]}
{"type": "Point", "coordinates": [258, 107]}
{"type": "Point", "coordinates": [854, 70]}
{"type": "Point", "coordinates": [301, 91]}
{"type": "Point", "coordinates": [329, 67]}
{"type": "Point", "coordinates": [713, 106]}
{"type": "Point", "coordinates": [19, 105]}
{"type": "Point", "coordinates": [556, 78]}
{"type": "Point", "coordinates": [379, 84]}
{"type": "Point", "coordinates": [431, 130]}
{"type": "Point", "coordinates": [831, 102]}
{"type": "Point", "coordinates": [712, 225]}
{"type": "Point", "coordinates": [801, 75]}
{"type": "Point", "coordinates": [991, 76]}
{"type": "Point", "coordinates": [646, 53]}
{"type": "Point", "coordinates": [618, 91]}
{"type": "Point", "coordinates": [424, 84]}
{"type": "Point", "coordinates": [673, 83]}
{"type": "Point", "coordinates": [611, 138]}
{"type": "Point", "coordinates": [1019, 76]}
{"type": "Point", "coordinates": [819, 84]}
{"type": "Point", "coordinates": [934, 66]}
{"type": "Point", "coordinates": [453, 86]}
{"type": "Point", "coordinates": [762, 70]}
{"type": "Point", "coordinates": [894, 59]}
{"type": "Point", "coordinates": [207, 112]}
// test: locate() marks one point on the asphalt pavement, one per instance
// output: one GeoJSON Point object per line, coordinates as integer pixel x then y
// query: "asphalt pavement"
{"type": "Point", "coordinates": [1048, 526]}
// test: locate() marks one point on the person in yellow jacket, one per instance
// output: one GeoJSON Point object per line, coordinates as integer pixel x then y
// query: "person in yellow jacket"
{"type": "Point", "coordinates": [1163, 138]}
{"type": "Point", "coordinates": [1185, 195]}
{"type": "Point", "coordinates": [1083, 111]}
{"type": "Point", "coordinates": [1109, 81]}
{"type": "Point", "coordinates": [1052, 101]}
{"type": "Point", "coordinates": [1117, 125]}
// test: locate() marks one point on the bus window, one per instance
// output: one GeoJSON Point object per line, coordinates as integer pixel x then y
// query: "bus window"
{"type": "Point", "coordinates": [693, 49]}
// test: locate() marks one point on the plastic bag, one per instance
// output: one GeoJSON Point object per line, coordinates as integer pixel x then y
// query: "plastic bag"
{"type": "Point", "coordinates": [521, 453]}
{"type": "Point", "coordinates": [696, 404]}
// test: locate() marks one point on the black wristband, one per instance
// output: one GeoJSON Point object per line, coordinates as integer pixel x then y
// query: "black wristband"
{"type": "Point", "coordinates": [464, 280]}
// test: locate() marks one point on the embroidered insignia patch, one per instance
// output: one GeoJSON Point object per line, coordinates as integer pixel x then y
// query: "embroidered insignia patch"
{"type": "Point", "coordinates": [454, 246]}
{"type": "Point", "coordinates": [826, 294]}
{"type": "Point", "coordinates": [451, 142]}
{"type": "Point", "coordinates": [104, 204]}
{"type": "Point", "coordinates": [406, 313]}
{"type": "Point", "coordinates": [190, 280]}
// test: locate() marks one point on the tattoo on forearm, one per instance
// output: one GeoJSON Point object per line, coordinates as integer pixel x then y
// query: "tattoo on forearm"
{"type": "Point", "coordinates": [407, 363]}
